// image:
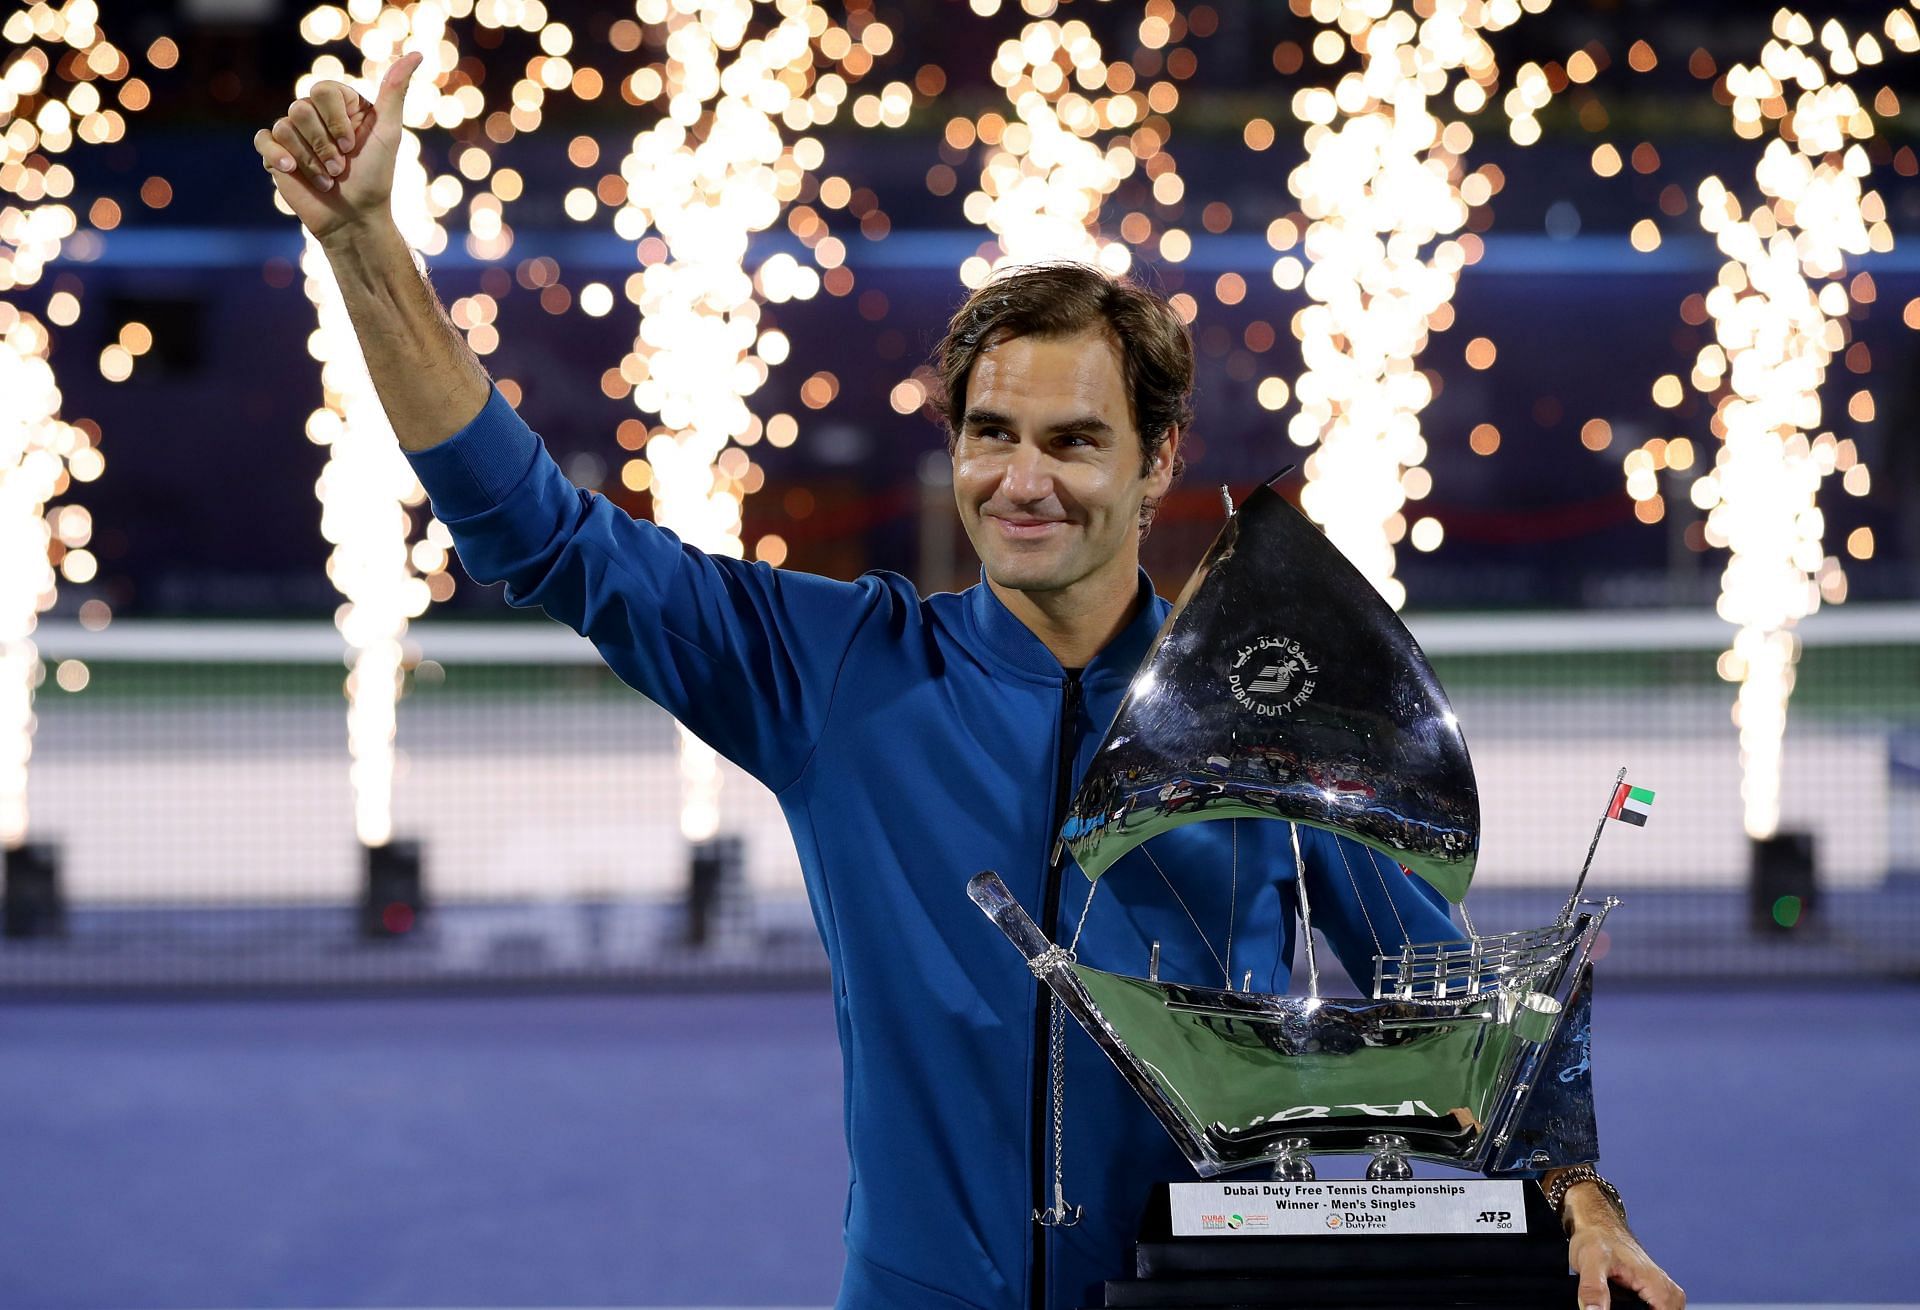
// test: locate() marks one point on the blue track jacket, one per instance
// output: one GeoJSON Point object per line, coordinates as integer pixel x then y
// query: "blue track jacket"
{"type": "Point", "coordinates": [913, 743]}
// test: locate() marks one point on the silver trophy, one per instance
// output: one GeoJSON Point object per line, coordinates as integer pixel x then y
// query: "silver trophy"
{"type": "Point", "coordinates": [1283, 687]}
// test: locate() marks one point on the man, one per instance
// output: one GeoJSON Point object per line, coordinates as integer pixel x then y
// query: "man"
{"type": "Point", "coordinates": [911, 742]}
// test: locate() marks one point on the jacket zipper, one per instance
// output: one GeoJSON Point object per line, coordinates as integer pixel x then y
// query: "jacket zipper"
{"type": "Point", "coordinates": [1043, 1002]}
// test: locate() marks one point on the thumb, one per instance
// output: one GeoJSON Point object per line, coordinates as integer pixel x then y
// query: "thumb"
{"type": "Point", "coordinates": [393, 89]}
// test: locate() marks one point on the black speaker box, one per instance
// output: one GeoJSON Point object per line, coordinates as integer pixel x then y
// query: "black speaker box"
{"type": "Point", "coordinates": [1783, 893]}
{"type": "Point", "coordinates": [394, 900]}
{"type": "Point", "coordinates": [33, 903]}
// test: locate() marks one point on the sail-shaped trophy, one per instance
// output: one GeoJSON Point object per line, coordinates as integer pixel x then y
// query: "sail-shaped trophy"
{"type": "Point", "coordinates": [1283, 687]}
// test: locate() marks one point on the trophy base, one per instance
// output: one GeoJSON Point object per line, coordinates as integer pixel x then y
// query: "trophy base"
{"type": "Point", "coordinates": [1237, 1271]}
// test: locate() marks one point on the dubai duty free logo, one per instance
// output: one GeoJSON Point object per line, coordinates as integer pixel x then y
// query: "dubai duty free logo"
{"type": "Point", "coordinates": [1272, 675]}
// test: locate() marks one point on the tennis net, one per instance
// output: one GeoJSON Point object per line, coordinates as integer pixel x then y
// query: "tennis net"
{"type": "Point", "coordinates": [189, 786]}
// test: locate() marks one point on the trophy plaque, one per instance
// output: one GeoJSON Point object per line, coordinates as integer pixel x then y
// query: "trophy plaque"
{"type": "Point", "coordinates": [1283, 687]}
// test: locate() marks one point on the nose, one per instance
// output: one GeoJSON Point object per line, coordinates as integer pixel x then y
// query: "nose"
{"type": "Point", "coordinates": [1028, 477]}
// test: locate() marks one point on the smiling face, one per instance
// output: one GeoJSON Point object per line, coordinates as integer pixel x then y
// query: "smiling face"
{"type": "Point", "coordinates": [1047, 466]}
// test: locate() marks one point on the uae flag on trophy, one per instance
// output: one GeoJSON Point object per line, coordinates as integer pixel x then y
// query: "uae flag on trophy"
{"type": "Point", "coordinates": [1631, 804]}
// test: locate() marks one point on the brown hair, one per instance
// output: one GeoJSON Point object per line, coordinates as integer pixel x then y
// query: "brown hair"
{"type": "Point", "coordinates": [1062, 300]}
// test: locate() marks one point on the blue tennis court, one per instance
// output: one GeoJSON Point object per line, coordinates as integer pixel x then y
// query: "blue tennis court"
{"type": "Point", "coordinates": [684, 1149]}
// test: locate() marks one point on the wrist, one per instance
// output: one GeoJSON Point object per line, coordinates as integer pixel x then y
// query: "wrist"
{"type": "Point", "coordinates": [1581, 1197]}
{"type": "Point", "coordinates": [358, 236]}
{"type": "Point", "coordinates": [1587, 1204]}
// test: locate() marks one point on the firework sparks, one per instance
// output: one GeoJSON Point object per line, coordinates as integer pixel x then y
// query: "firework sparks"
{"type": "Point", "coordinates": [1044, 175]}
{"type": "Point", "coordinates": [698, 184]}
{"type": "Point", "coordinates": [56, 71]}
{"type": "Point", "coordinates": [1384, 191]}
{"type": "Point", "coordinates": [1080, 127]}
{"type": "Point", "coordinates": [1780, 315]}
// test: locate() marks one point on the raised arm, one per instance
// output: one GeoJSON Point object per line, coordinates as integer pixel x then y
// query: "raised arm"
{"type": "Point", "coordinates": [745, 655]}
{"type": "Point", "coordinates": [331, 158]}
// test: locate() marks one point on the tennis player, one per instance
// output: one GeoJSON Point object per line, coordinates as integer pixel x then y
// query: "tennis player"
{"type": "Point", "coordinates": [912, 742]}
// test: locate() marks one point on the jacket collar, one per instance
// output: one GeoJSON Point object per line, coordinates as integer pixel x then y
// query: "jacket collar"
{"type": "Point", "coordinates": [1011, 643]}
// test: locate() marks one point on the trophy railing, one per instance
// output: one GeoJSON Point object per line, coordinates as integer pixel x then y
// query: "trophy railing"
{"type": "Point", "coordinates": [1468, 969]}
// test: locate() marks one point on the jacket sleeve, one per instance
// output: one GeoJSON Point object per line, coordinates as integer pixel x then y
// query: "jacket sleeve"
{"type": "Point", "coordinates": [1367, 905]}
{"type": "Point", "coordinates": [744, 655]}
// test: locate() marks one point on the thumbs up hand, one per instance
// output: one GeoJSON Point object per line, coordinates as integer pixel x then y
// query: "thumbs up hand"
{"type": "Point", "coordinates": [332, 155]}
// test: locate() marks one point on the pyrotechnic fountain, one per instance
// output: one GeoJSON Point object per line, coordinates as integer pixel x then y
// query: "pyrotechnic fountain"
{"type": "Point", "coordinates": [1081, 125]}
{"type": "Point", "coordinates": [1044, 176]}
{"type": "Point", "coordinates": [695, 188]}
{"type": "Point", "coordinates": [1384, 189]}
{"type": "Point", "coordinates": [1780, 309]}
{"type": "Point", "coordinates": [57, 68]}
{"type": "Point", "coordinates": [366, 489]}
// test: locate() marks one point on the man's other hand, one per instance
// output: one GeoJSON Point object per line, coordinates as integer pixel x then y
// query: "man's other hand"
{"type": "Point", "coordinates": [1602, 1247]}
{"type": "Point", "coordinates": [332, 155]}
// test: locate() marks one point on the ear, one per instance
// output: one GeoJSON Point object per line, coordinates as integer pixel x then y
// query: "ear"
{"type": "Point", "coordinates": [1161, 464]}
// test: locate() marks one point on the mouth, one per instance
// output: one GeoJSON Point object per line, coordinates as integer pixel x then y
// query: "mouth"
{"type": "Point", "coordinates": [1027, 529]}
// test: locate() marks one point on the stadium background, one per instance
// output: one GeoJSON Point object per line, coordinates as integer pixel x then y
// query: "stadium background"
{"type": "Point", "coordinates": [586, 1057]}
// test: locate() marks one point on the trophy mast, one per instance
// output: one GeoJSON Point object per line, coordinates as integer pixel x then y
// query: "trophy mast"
{"type": "Point", "coordinates": [1306, 913]}
{"type": "Point", "coordinates": [1566, 915]}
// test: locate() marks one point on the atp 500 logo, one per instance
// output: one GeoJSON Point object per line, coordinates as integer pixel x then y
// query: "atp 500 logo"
{"type": "Point", "coordinates": [1495, 1218]}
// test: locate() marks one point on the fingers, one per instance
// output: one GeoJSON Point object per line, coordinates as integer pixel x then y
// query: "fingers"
{"type": "Point", "coordinates": [1659, 1291]}
{"type": "Point", "coordinates": [1594, 1294]}
{"type": "Point", "coordinates": [306, 120]}
{"type": "Point", "coordinates": [1646, 1279]}
{"type": "Point", "coordinates": [308, 164]}
{"type": "Point", "coordinates": [336, 104]}
{"type": "Point", "coordinates": [317, 136]}
{"type": "Point", "coordinates": [272, 154]}
{"type": "Point", "coordinates": [1632, 1267]}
